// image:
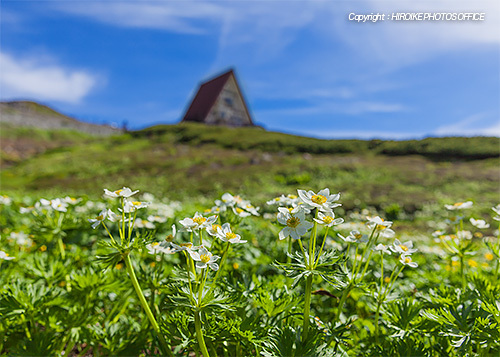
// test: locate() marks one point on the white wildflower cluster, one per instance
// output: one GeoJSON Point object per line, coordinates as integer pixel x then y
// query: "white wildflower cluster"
{"type": "Point", "coordinates": [239, 206]}
{"type": "Point", "coordinates": [293, 217]}
{"type": "Point", "coordinates": [129, 206]}
{"type": "Point", "coordinates": [5, 200]}
{"type": "Point", "coordinates": [199, 254]}
{"type": "Point", "coordinates": [56, 204]}
{"type": "Point", "coordinates": [21, 239]}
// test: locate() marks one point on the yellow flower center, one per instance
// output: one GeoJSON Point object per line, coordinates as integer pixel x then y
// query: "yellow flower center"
{"type": "Point", "coordinates": [230, 235]}
{"type": "Point", "coordinates": [358, 236]}
{"type": "Point", "coordinates": [199, 220]}
{"type": "Point", "coordinates": [136, 203]}
{"type": "Point", "coordinates": [169, 238]}
{"type": "Point", "coordinates": [478, 235]}
{"type": "Point", "coordinates": [239, 210]}
{"type": "Point", "coordinates": [489, 256]}
{"type": "Point", "coordinates": [292, 197]}
{"type": "Point", "coordinates": [319, 199]}
{"type": "Point", "coordinates": [152, 264]}
{"type": "Point", "coordinates": [407, 260]}
{"type": "Point", "coordinates": [118, 191]}
{"type": "Point", "coordinates": [189, 245]}
{"type": "Point", "coordinates": [155, 244]}
{"type": "Point", "coordinates": [387, 280]}
{"type": "Point", "coordinates": [292, 222]}
{"type": "Point", "coordinates": [6, 254]}
{"type": "Point", "coordinates": [328, 219]}
{"type": "Point", "coordinates": [100, 217]}
{"type": "Point", "coordinates": [215, 227]}
{"type": "Point", "coordinates": [43, 248]}
{"type": "Point", "coordinates": [236, 265]}
{"type": "Point", "coordinates": [455, 263]}
{"type": "Point", "coordinates": [403, 247]}
{"type": "Point", "coordinates": [458, 204]}
{"type": "Point", "coordinates": [205, 258]}
{"type": "Point", "coordinates": [119, 266]}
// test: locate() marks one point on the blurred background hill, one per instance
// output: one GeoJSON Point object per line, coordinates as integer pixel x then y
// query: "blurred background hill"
{"type": "Point", "coordinates": [195, 160]}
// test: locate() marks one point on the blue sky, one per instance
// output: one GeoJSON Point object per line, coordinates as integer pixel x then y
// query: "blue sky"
{"type": "Point", "coordinates": [303, 66]}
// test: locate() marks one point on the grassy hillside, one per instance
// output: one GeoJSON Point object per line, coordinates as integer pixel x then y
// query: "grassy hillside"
{"type": "Point", "coordinates": [186, 161]}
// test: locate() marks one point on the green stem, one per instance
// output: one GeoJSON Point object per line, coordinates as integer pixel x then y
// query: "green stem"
{"type": "Point", "coordinates": [366, 265]}
{"type": "Point", "coordinates": [222, 261]}
{"type": "Point", "coordinates": [322, 246]}
{"type": "Point", "coordinates": [61, 247]}
{"type": "Point", "coordinates": [392, 280]}
{"type": "Point", "coordinates": [199, 334]}
{"type": "Point", "coordinates": [462, 271]}
{"type": "Point", "coordinates": [312, 240]}
{"type": "Point", "coordinates": [202, 283]}
{"type": "Point", "coordinates": [307, 308]}
{"type": "Point", "coordinates": [145, 306]}
{"type": "Point", "coordinates": [288, 257]}
{"type": "Point", "coordinates": [377, 314]}
{"type": "Point", "coordinates": [107, 230]}
{"type": "Point", "coordinates": [342, 302]}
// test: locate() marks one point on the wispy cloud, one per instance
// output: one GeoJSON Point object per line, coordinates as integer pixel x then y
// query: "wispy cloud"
{"type": "Point", "coordinates": [28, 78]}
{"type": "Point", "coordinates": [173, 16]}
{"type": "Point", "coordinates": [476, 124]}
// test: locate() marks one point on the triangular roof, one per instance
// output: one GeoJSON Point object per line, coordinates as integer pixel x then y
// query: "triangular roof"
{"type": "Point", "coordinates": [207, 95]}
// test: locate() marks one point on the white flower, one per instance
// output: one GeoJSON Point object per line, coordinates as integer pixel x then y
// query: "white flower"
{"type": "Point", "coordinates": [189, 247]}
{"type": "Point", "coordinates": [321, 200]}
{"type": "Point", "coordinates": [124, 192]}
{"type": "Point", "coordinates": [381, 248]}
{"type": "Point", "coordinates": [24, 210]}
{"type": "Point", "coordinates": [5, 200]}
{"type": "Point", "coordinates": [212, 230]}
{"type": "Point", "coordinates": [496, 209]}
{"type": "Point", "coordinates": [464, 235]}
{"type": "Point", "coordinates": [141, 223]}
{"type": "Point", "coordinates": [5, 256]}
{"type": "Point", "coordinates": [157, 248]}
{"type": "Point", "coordinates": [101, 217]}
{"type": "Point", "coordinates": [328, 220]}
{"type": "Point", "coordinates": [295, 222]}
{"type": "Point", "coordinates": [226, 234]}
{"type": "Point", "coordinates": [44, 203]}
{"type": "Point", "coordinates": [240, 212]}
{"type": "Point", "coordinates": [288, 200]}
{"type": "Point", "coordinates": [71, 200]}
{"type": "Point", "coordinates": [113, 217]}
{"type": "Point", "coordinates": [132, 206]}
{"type": "Point", "coordinates": [354, 237]}
{"type": "Point", "coordinates": [171, 236]}
{"type": "Point", "coordinates": [479, 223]}
{"type": "Point", "coordinates": [459, 205]}
{"type": "Point", "coordinates": [382, 226]}
{"type": "Point", "coordinates": [21, 238]}
{"type": "Point", "coordinates": [403, 248]}
{"type": "Point", "coordinates": [406, 260]}
{"type": "Point", "coordinates": [59, 205]}
{"type": "Point", "coordinates": [454, 220]}
{"type": "Point", "coordinates": [204, 258]}
{"type": "Point", "coordinates": [158, 219]}
{"type": "Point", "coordinates": [197, 222]}
{"type": "Point", "coordinates": [230, 200]}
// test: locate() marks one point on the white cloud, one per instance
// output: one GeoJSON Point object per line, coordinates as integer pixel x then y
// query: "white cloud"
{"type": "Point", "coordinates": [30, 78]}
{"type": "Point", "coordinates": [327, 107]}
{"type": "Point", "coordinates": [173, 16]}
{"type": "Point", "coordinates": [476, 124]}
